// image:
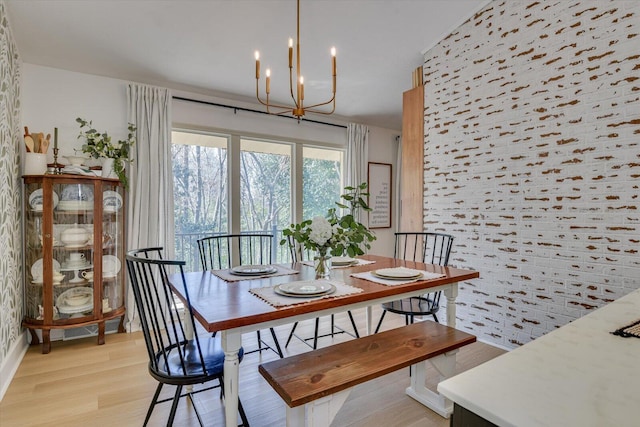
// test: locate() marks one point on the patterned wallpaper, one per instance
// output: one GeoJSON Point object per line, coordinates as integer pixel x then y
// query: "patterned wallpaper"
{"type": "Point", "coordinates": [532, 160]}
{"type": "Point", "coordinates": [11, 311]}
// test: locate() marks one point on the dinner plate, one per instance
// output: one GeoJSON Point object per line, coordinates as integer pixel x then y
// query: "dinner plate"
{"type": "Point", "coordinates": [343, 260]}
{"type": "Point", "coordinates": [253, 270]}
{"type": "Point", "coordinates": [398, 273]}
{"type": "Point", "coordinates": [311, 288]}
{"type": "Point", "coordinates": [111, 201]}
{"type": "Point", "coordinates": [110, 265]}
{"type": "Point", "coordinates": [36, 268]}
{"type": "Point", "coordinates": [36, 199]}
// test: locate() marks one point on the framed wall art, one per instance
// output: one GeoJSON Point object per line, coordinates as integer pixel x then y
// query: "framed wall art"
{"type": "Point", "coordinates": [379, 176]}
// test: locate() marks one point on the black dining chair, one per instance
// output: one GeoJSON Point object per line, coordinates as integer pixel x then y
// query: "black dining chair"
{"type": "Point", "coordinates": [173, 358]}
{"type": "Point", "coordinates": [427, 247]}
{"type": "Point", "coordinates": [299, 255]}
{"type": "Point", "coordinates": [227, 250]}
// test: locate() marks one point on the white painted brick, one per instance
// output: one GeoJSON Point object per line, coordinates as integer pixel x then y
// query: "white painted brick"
{"type": "Point", "coordinates": [532, 178]}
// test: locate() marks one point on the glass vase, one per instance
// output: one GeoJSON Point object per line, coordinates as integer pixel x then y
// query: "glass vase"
{"type": "Point", "coordinates": [322, 264]}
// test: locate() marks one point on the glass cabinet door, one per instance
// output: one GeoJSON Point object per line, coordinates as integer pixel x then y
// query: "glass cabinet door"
{"type": "Point", "coordinates": [73, 249]}
{"type": "Point", "coordinates": [34, 262]}
{"type": "Point", "coordinates": [112, 248]}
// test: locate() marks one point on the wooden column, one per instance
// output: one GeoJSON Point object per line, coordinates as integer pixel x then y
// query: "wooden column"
{"type": "Point", "coordinates": [412, 173]}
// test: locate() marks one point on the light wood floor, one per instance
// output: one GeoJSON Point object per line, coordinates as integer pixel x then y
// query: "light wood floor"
{"type": "Point", "coordinates": [82, 384]}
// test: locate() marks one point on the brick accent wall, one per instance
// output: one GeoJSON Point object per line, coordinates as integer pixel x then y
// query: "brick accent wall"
{"type": "Point", "coordinates": [532, 160]}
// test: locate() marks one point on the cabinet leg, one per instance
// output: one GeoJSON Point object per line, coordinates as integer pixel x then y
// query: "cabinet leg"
{"type": "Point", "coordinates": [100, 333]}
{"type": "Point", "coordinates": [121, 328]}
{"type": "Point", "coordinates": [46, 341]}
{"type": "Point", "coordinates": [34, 337]}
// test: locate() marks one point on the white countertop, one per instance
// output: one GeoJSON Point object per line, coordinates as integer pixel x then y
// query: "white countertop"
{"type": "Point", "coordinates": [578, 375]}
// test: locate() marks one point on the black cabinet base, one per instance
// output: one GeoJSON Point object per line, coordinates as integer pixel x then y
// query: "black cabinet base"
{"type": "Point", "coordinates": [462, 417]}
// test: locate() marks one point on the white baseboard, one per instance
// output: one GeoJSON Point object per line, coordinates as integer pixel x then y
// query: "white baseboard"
{"type": "Point", "coordinates": [12, 362]}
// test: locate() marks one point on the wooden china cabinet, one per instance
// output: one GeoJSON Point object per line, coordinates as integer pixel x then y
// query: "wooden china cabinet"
{"type": "Point", "coordinates": [74, 229]}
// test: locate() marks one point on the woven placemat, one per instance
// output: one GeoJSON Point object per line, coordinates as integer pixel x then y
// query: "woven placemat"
{"type": "Point", "coordinates": [632, 330]}
{"type": "Point", "coordinates": [269, 295]}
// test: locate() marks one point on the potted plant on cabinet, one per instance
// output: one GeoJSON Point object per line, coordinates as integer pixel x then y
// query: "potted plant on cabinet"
{"type": "Point", "coordinates": [114, 155]}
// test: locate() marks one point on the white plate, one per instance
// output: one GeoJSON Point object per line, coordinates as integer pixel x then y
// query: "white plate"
{"type": "Point", "coordinates": [252, 270]}
{"type": "Point", "coordinates": [111, 201]}
{"type": "Point", "coordinates": [398, 273]}
{"type": "Point", "coordinates": [36, 199]}
{"type": "Point", "coordinates": [309, 288]}
{"type": "Point", "coordinates": [343, 260]}
{"type": "Point", "coordinates": [36, 268]}
{"type": "Point", "coordinates": [77, 193]}
{"type": "Point", "coordinates": [110, 265]}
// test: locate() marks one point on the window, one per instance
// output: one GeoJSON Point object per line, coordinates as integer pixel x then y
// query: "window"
{"type": "Point", "coordinates": [265, 185]}
{"type": "Point", "coordinates": [202, 165]}
{"type": "Point", "coordinates": [199, 190]}
{"type": "Point", "coordinates": [322, 180]}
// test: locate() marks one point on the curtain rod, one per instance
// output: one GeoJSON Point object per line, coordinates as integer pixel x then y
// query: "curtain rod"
{"type": "Point", "coordinates": [236, 109]}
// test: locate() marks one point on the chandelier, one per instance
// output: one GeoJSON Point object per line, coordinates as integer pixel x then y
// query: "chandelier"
{"type": "Point", "coordinates": [298, 109]}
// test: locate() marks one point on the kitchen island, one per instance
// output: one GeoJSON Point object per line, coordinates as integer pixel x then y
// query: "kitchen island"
{"type": "Point", "coordinates": [579, 375]}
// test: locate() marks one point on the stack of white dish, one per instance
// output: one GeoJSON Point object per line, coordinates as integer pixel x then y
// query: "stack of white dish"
{"type": "Point", "coordinates": [76, 160]}
{"type": "Point", "coordinates": [72, 205]}
{"type": "Point", "coordinates": [76, 261]}
{"type": "Point", "coordinates": [76, 197]}
{"type": "Point", "coordinates": [75, 300]}
{"type": "Point", "coordinates": [343, 261]}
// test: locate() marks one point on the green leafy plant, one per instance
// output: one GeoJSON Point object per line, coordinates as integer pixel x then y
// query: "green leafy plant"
{"type": "Point", "coordinates": [335, 234]}
{"type": "Point", "coordinates": [99, 145]}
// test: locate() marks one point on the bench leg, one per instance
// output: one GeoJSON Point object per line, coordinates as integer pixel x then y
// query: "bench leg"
{"type": "Point", "coordinates": [318, 413]}
{"type": "Point", "coordinates": [445, 365]}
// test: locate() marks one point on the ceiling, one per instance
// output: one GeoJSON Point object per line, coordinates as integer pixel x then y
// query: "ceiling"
{"type": "Point", "coordinates": [208, 47]}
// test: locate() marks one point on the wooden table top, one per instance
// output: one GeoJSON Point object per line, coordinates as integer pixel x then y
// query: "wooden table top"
{"type": "Point", "coordinates": [220, 305]}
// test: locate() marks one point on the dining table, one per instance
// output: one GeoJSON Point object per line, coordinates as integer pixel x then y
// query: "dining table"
{"type": "Point", "coordinates": [233, 308]}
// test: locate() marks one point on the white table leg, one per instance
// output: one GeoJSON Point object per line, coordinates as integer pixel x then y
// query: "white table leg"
{"type": "Point", "coordinates": [231, 342]}
{"type": "Point", "coordinates": [369, 317]}
{"type": "Point", "coordinates": [451, 293]}
{"type": "Point", "coordinates": [444, 364]}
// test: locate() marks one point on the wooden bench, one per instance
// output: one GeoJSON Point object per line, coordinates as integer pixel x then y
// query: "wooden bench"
{"type": "Point", "coordinates": [314, 385]}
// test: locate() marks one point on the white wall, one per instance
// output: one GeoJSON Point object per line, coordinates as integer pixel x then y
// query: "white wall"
{"type": "Point", "coordinates": [383, 148]}
{"type": "Point", "coordinates": [55, 98]}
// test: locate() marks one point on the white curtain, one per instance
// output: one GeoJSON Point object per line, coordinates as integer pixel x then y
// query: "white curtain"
{"type": "Point", "coordinates": [150, 207]}
{"type": "Point", "coordinates": [357, 157]}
